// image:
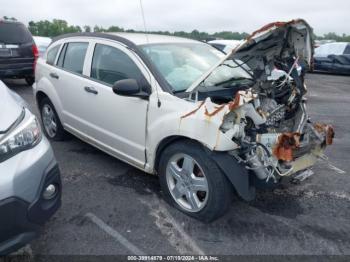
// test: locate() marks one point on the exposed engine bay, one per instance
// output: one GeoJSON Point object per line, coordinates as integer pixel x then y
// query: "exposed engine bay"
{"type": "Point", "coordinates": [266, 113]}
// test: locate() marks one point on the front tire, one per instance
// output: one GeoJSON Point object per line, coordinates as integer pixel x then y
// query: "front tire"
{"type": "Point", "coordinates": [51, 123]}
{"type": "Point", "coordinates": [192, 182]}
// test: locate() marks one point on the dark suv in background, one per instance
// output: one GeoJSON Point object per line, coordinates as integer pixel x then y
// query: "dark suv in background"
{"type": "Point", "coordinates": [18, 52]}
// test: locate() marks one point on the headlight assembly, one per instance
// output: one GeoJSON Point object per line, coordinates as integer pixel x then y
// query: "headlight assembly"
{"type": "Point", "coordinates": [25, 136]}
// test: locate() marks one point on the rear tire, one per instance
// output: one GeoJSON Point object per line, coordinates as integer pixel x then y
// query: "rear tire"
{"type": "Point", "coordinates": [51, 123]}
{"type": "Point", "coordinates": [215, 191]}
{"type": "Point", "coordinates": [30, 80]}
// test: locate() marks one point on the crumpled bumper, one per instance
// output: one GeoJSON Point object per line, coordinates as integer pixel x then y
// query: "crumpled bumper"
{"type": "Point", "coordinates": [20, 221]}
{"type": "Point", "coordinates": [301, 151]}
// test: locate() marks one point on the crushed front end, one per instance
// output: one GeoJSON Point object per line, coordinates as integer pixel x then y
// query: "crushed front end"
{"type": "Point", "coordinates": [277, 138]}
{"type": "Point", "coordinates": [266, 115]}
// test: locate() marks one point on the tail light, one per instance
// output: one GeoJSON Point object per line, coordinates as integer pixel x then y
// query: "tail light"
{"type": "Point", "coordinates": [35, 54]}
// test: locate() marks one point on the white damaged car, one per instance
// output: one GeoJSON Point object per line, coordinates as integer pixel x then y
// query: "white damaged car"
{"type": "Point", "coordinates": [208, 124]}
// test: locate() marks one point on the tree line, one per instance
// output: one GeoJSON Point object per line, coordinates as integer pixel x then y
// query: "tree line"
{"type": "Point", "coordinates": [57, 27]}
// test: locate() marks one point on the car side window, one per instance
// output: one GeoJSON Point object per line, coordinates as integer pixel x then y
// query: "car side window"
{"type": "Point", "coordinates": [110, 64]}
{"type": "Point", "coordinates": [219, 46]}
{"type": "Point", "coordinates": [51, 55]}
{"type": "Point", "coordinates": [72, 57]}
{"type": "Point", "coordinates": [347, 50]}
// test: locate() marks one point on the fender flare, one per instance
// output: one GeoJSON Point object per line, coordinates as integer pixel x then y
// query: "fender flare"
{"type": "Point", "coordinates": [236, 174]}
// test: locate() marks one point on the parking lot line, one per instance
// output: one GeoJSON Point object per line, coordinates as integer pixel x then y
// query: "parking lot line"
{"type": "Point", "coordinates": [311, 193]}
{"type": "Point", "coordinates": [116, 235]}
{"type": "Point", "coordinates": [182, 242]}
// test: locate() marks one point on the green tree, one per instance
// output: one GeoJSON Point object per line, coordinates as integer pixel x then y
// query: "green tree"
{"type": "Point", "coordinates": [99, 29]}
{"type": "Point", "coordinates": [58, 26]}
{"type": "Point", "coordinates": [52, 29]}
{"type": "Point", "coordinates": [87, 28]}
{"type": "Point", "coordinates": [114, 28]}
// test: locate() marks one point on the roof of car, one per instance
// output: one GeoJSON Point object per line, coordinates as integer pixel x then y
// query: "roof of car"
{"type": "Point", "coordinates": [130, 39]}
{"type": "Point", "coordinates": [225, 42]}
{"type": "Point", "coordinates": [141, 38]}
{"type": "Point", "coordinates": [8, 21]}
{"type": "Point", "coordinates": [336, 43]}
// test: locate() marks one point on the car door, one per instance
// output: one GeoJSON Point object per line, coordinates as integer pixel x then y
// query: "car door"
{"type": "Point", "coordinates": [116, 124]}
{"type": "Point", "coordinates": [322, 61]}
{"type": "Point", "coordinates": [68, 78]}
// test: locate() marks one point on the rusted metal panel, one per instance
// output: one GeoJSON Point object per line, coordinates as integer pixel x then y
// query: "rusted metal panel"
{"type": "Point", "coordinates": [286, 143]}
{"type": "Point", "coordinates": [272, 25]}
{"type": "Point", "coordinates": [194, 111]}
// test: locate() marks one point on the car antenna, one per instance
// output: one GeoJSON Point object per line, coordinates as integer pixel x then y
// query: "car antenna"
{"type": "Point", "coordinates": [146, 34]}
{"type": "Point", "coordinates": [144, 21]}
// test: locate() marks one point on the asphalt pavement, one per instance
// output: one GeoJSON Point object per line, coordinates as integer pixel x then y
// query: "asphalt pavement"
{"type": "Point", "coordinates": [111, 208]}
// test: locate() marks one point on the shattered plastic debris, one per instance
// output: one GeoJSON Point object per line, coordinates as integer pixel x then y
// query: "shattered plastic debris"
{"type": "Point", "coordinates": [241, 98]}
{"type": "Point", "coordinates": [328, 130]}
{"type": "Point", "coordinates": [303, 175]}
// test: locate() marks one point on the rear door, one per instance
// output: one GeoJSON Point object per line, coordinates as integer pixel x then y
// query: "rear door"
{"type": "Point", "coordinates": [342, 62]}
{"type": "Point", "coordinates": [16, 46]}
{"type": "Point", "coordinates": [68, 79]}
{"type": "Point", "coordinates": [114, 123]}
{"type": "Point", "coordinates": [322, 61]}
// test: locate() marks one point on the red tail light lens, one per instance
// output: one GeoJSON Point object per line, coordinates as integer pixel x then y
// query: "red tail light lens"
{"type": "Point", "coordinates": [35, 51]}
{"type": "Point", "coordinates": [35, 54]}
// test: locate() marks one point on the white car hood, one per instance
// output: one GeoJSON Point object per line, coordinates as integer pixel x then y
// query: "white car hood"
{"type": "Point", "coordinates": [276, 40]}
{"type": "Point", "coordinates": [10, 109]}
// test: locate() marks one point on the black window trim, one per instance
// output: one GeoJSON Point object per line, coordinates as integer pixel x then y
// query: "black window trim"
{"type": "Point", "coordinates": [63, 53]}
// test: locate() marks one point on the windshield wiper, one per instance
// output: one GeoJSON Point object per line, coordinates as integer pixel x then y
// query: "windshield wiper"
{"type": "Point", "coordinates": [232, 79]}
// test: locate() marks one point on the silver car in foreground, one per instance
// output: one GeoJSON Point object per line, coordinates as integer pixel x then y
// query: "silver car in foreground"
{"type": "Point", "coordinates": [30, 185]}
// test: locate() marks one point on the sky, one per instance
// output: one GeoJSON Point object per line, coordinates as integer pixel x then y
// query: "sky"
{"type": "Point", "coordinates": [175, 15]}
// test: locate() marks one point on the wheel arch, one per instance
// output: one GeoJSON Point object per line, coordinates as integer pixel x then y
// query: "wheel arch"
{"type": "Point", "coordinates": [45, 89]}
{"type": "Point", "coordinates": [40, 95]}
{"type": "Point", "coordinates": [167, 141]}
{"type": "Point", "coordinates": [235, 172]}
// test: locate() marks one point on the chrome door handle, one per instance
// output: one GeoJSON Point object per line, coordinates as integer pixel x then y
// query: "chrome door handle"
{"type": "Point", "coordinates": [90, 89]}
{"type": "Point", "coordinates": [54, 75]}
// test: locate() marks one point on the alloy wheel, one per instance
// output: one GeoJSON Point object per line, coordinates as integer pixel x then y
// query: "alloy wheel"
{"type": "Point", "coordinates": [187, 182]}
{"type": "Point", "coordinates": [49, 120]}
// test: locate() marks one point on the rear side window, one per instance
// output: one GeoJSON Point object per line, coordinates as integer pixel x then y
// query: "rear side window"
{"type": "Point", "coordinates": [73, 56]}
{"type": "Point", "coordinates": [51, 55]}
{"type": "Point", "coordinates": [14, 33]}
{"type": "Point", "coordinates": [110, 64]}
{"type": "Point", "coordinates": [219, 46]}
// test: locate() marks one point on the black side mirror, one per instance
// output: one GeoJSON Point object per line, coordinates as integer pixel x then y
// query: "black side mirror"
{"type": "Point", "coordinates": [129, 87]}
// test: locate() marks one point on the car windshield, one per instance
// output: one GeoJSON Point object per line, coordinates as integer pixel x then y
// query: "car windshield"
{"type": "Point", "coordinates": [330, 49]}
{"type": "Point", "coordinates": [182, 64]}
